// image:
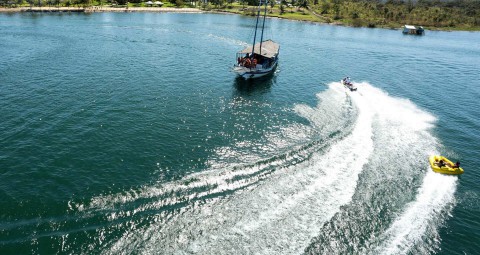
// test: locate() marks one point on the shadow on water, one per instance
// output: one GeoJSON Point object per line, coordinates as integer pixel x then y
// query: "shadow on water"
{"type": "Point", "coordinates": [254, 87]}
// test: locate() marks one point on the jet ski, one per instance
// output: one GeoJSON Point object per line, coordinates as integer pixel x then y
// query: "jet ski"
{"type": "Point", "coordinates": [348, 84]}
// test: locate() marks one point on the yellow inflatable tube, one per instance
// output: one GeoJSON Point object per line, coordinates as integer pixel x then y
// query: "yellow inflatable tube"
{"type": "Point", "coordinates": [446, 168]}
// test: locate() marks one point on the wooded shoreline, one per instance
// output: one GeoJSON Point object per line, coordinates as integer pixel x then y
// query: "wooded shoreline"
{"type": "Point", "coordinates": [99, 9]}
{"type": "Point", "coordinates": [463, 15]}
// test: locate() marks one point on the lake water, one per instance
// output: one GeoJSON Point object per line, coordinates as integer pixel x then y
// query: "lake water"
{"type": "Point", "coordinates": [128, 133]}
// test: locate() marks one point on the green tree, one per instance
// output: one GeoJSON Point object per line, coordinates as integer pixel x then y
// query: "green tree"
{"type": "Point", "coordinates": [217, 3]}
{"type": "Point", "coordinates": [336, 9]}
{"type": "Point", "coordinates": [179, 3]}
{"type": "Point", "coordinates": [410, 6]}
{"type": "Point", "coordinates": [303, 4]}
{"type": "Point", "coordinates": [355, 15]}
{"type": "Point", "coordinates": [85, 3]}
{"type": "Point", "coordinates": [325, 7]}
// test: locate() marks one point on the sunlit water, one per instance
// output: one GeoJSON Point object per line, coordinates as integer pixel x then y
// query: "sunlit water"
{"type": "Point", "coordinates": [128, 133]}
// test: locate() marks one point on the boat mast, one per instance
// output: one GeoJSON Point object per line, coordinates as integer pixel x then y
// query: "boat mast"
{"type": "Point", "coordinates": [263, 25]}
{"type": "Point", "coordinates": [256, 26]}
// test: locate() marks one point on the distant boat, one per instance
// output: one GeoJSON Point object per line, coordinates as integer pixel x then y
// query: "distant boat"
{"type": "Point", "coordinates": [412, 30]}
{"type": "Point", "coordinates": [261, 58]}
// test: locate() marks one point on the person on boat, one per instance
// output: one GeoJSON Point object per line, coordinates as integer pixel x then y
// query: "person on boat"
{"type": "Point", "coordinates": [441, 163]}
{"type": "Point", "coordinates": [247, 62]}
{"type": "Point", "coordinates": [451, 165]}
{"type": "Point", "coordinates": [348, 81]}
{"type": "Point", "coordinates": [457, 165]}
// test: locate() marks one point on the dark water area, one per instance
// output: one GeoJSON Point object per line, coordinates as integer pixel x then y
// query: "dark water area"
{"type": "Point", "coordinates": [128, 133]}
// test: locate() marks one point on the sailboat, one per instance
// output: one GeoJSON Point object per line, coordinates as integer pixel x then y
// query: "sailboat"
{"type": "Point", "coordinates": [260, 58]}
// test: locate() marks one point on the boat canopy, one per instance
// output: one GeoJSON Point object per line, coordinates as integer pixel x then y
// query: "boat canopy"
{"type": "Point", "coordinates": [269, 49]}
{"type": "Point", "coordinates": [410, 27]}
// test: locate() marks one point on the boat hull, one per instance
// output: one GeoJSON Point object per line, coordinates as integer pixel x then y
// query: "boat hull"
{"type": "Point", "coordinates": [444, 169]}
{"type": "Point", "coordinates": [253, 73]}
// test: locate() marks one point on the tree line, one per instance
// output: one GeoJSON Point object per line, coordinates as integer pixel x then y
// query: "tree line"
{"type": "Point", "coordinates": [87, 3]}
{"type": "Point", "coordinates": [450, 14]}
{"type": "Point", "coordinates": [391, 13]}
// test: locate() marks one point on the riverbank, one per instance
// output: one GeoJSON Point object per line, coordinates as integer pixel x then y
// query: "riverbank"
{"type": "Point", "coordinates": [290, 13]}
{"type": "Point", "coordinates": [362, 18]}
{"type": "Point", "coordinates": [100, 9]}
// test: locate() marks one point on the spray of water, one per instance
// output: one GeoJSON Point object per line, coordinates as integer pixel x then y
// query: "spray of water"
{"type": "Point", "coordinates": [280, 205]}
{"type": "Point", "coordinates": [421, 218]}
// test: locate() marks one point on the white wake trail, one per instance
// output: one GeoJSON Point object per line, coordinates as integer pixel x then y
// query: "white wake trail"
{"type": "Point", "coordinates": [421, 218]}
{"type": "Point", "coordinates": [282, 211]}
{"type": "Point", "coordinates": [279, 215]}
{"type": "Point", "coordinates": [433, 203]}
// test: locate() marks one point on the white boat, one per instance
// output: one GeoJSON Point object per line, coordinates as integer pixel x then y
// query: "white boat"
{"type": "Point", "coordinates": [259, 59]}
{"type": "Point", "coordinates": [412, 30]}
{"type": "Point", "coordinates": [348, 84]}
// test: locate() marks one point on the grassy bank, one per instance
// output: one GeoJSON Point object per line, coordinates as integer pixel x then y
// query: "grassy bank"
{"type": "Point", "coordinates": [432, 14]}
{"type": "Point", "coordinates": [455, 15]}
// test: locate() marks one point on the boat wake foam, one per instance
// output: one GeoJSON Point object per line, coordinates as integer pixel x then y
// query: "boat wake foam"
{"type": "Point", "coordinates": [415, 230]}
{"type": "Point", "coordinates": [281, 204]}
{"type": "Point", "coordinates": [422, 217]}
{"type": "Point", "coordinates": [397, 208]}
{"type": "Point", "coordinates": [278, 215]}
